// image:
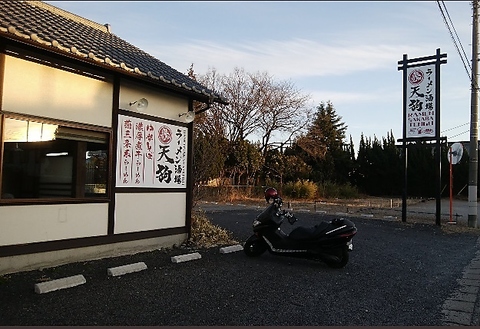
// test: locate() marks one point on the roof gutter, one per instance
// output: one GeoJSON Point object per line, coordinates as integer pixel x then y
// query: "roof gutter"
{"type": "Point", "coordinates": [209, 104]}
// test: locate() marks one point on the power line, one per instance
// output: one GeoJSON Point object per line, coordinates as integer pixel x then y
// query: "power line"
{"type": "Point", "coordinates": [459, 134]}
{"type": "Point", "coordinates": [461, 53]}
{"type": "Point", "coordinates": [455, 38]}
{"type": "Point", "coordinates": [444, 131]}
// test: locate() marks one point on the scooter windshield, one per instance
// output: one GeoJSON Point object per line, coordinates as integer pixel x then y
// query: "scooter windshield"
{"type": "Point", "coordinates": [268, 214]}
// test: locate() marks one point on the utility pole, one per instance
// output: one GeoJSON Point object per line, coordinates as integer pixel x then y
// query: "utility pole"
{"type": "Point", "coordinates": [473, 152]}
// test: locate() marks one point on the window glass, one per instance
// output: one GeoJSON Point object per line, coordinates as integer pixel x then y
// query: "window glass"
{"type": "Point", "coordinates": [43, 160]}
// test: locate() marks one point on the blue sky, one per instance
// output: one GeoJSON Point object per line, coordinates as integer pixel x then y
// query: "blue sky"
{"type": "Point", "coordinates": [343, 52]}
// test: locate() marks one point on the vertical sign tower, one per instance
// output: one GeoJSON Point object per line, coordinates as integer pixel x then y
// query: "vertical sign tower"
{"type": "Point", "coordinates": [421, 112]}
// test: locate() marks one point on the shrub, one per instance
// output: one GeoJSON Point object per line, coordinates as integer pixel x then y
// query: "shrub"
{"type": "Point", "coordinates": [205, 234]}
{"type": "Point", "coordinates": [301, 189]}
{"type": "Point", "coordinates": [332, 190]}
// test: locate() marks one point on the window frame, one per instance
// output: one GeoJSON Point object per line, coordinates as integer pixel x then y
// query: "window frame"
{"type": "Point", "coordinates": [78, 168]}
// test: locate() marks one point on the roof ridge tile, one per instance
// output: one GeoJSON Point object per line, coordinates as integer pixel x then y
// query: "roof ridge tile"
{"type": "Point", "coordinates": [68, 15]}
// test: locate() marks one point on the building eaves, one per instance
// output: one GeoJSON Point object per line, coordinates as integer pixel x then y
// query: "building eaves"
{"type": "Point", "coordinates": [52, 28]}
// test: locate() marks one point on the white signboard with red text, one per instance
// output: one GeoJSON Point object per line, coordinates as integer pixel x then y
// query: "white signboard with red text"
{"type": "Point", "coordinates": [420, 112]}
{"type": "Point", "coordinates": [151, 154]}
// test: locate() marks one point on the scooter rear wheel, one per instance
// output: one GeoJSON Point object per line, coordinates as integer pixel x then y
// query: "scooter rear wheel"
{"type": "Point", "coordinates": [341, 258]}
{"type": "Point", "coordinates": [254, 246]}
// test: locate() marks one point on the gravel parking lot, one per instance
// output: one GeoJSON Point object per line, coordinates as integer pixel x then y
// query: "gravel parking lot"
{"type": "Point", "coordinates": [398, 274]}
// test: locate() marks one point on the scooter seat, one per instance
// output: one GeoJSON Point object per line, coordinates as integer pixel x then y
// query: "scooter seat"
{"type": "Point", "coordinates": [305, 233]}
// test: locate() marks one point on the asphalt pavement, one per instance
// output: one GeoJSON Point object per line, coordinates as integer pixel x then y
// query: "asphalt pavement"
{"type": "Point", "coordinates": [459, 209]}
{"type": "Point", "coordinates": [399, 274]}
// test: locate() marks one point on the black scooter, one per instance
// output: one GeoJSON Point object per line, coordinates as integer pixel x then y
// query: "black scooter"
{"type": "Point", "coordinates": [329, 241]}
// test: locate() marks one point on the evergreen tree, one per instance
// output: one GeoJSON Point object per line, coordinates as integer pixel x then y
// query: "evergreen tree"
{"type": "Point", "coordinates": [324, 147]}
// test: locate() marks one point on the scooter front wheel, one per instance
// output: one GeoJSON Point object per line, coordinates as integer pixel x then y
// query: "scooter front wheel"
{"type": "Point", "coordinates": [254, 246]}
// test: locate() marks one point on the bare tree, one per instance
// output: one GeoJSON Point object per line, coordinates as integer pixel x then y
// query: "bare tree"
{"type": "Point", "coordinates": [258, 105]}
{"type": "Point", "coordinates": [283, 108]}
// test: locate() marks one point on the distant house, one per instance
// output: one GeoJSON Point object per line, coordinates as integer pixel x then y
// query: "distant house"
{"type": "Point", "coordinates": [95, 141]}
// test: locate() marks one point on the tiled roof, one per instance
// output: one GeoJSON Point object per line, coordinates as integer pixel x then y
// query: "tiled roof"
{"type": "Point", "coordinates": [50, 27]}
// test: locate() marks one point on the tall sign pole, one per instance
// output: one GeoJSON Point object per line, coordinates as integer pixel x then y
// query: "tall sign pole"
{"type": "Point", "coordinates": [473, 152]}
{"type": "Point", "coordinates": [404, 141]}
{"type": "Point", "coordinates": [421, 112]}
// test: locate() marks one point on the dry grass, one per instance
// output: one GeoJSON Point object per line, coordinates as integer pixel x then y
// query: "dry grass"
{"type": "Point", "coordinates": [205, 234]}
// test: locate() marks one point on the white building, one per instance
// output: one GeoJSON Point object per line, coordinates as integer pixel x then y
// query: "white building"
{"type": "Point", "coordinates": [95, 151]}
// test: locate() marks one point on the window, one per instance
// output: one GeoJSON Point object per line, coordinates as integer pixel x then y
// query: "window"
{"type": "Point", "coordinates": [48, 160]}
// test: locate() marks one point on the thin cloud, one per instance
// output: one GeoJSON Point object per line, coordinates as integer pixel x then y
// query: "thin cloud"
{"type": "Point", "coordinates": [287, 59]}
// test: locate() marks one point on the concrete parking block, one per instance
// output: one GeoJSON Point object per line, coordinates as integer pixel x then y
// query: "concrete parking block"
{"type": "Point", "coordinates": [125, 269]}
{"type": "Point", "coordinates": [68, 282]}
{"type": "Point", "coordinates": [229, 249]}
{"type": "Point", "coordinates": [390, 217]}
{"type": "Point", "coordinates": [303, 210]}
{"type": "Point", "coordinates": [186, 257]}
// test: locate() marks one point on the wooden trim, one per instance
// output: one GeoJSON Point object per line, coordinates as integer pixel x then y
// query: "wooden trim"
{"type": "Point", "coordinates": [2, 124]}
{"type": "Point", "coordinates": [72, 124]}
{"type": "Point", "coordinates": [37, 247]}
{"type": "Point", "coordinates": [2, 127]}
{"type": "Point", "coordinates": [112, 178]}
{"type": "Point", "coordinates": [48, 201]}
{"type": "Point", "coordinates": [152, 118]}
{"type": "Point", "coordinates": [190, 180]}
{"type": "Point", "coordinates": [80, 172]}
{"type": "Point", "coordinates": [150, 190]}
{"type": "Point", "coordinates": [55, 60]}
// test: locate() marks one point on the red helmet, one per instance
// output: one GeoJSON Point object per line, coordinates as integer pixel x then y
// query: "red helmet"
{"type": "Point", "coordinates": [270, 193]}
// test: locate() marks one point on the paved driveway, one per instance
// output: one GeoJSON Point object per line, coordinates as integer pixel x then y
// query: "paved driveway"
{"type": "Point", "coordinates": [398, 274]}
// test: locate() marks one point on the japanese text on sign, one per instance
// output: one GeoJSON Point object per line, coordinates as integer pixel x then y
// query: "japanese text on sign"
{"type": "Point", "coordinates": [151, 154]}
{"type": "Point", "coordinates": [421, 102]}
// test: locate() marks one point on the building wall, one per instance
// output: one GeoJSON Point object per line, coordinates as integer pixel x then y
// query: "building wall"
{"type": "Point", "coordinates": [35, 89]}
{"type": "Point", "coordinates": [164, 106]}
{"type": "Point", "coordinates": [149, 211]}
{"type": "Point", "coordinates": [158, 209]}
{"type": "Point", "coordinates": [59, 257]}
{"type": "Point", "coordinates": [39, 223]}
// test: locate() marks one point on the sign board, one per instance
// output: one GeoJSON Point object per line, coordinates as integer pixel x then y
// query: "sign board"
{"type": "Point", "coordinates": [421, 98]}
{"type": "Point", "coordinates": [151, 154]}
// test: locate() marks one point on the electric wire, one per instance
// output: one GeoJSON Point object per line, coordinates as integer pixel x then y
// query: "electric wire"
{"type": "Point", "coordinates": [466, 63]}
{"type": "Point", "coordinates": [464, 60]}
{"type": "Point", "coordinates": [444, 131]}
{"type": "Point", "coordinates": [465, 57]}
{"type": "Point", "coordinates": [459, 134]}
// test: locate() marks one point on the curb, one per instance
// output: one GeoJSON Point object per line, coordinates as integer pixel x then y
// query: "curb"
{"type": "Point", "coordinates": [76, 280]}
{"type": "Point", "coordinates": [68, 282]}
{"type": "Point", "coordinates": [230, 249]}
{"type": "Point", "coordinates": [125, 269]}
{"type": "Point", "coordinates": [185, 257]}
{"type": "Point", "coordinates": [461, 308]}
